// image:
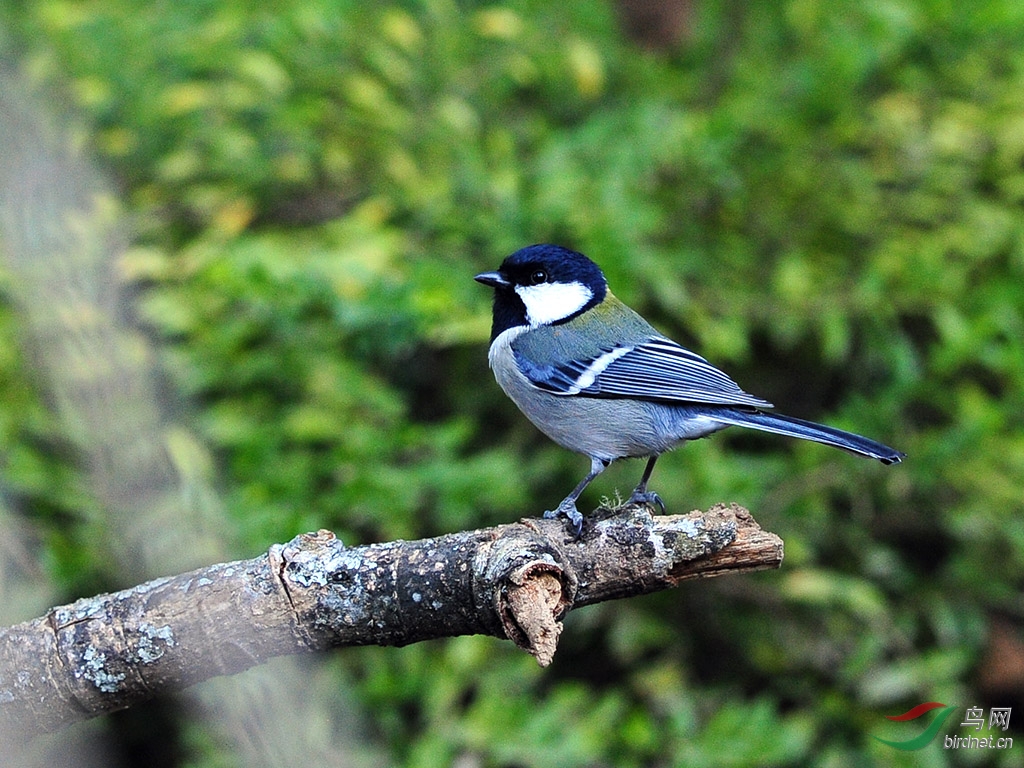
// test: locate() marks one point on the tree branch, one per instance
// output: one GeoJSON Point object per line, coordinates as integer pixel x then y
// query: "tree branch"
{"type": "Point", "coordinates": [513, 581]}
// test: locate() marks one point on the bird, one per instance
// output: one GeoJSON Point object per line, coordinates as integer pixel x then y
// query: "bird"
{"type": "Point", "coordinates": [599, 380]}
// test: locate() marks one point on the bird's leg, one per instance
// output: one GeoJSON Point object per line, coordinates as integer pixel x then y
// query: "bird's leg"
{"type": "Point", "coordinates": [640, 494]}
{"type": "Point", "coordinates": [567, 508]}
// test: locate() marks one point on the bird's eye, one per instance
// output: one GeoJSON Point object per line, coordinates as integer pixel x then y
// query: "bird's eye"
{"type": "Point", "coordinates": [538, 276]}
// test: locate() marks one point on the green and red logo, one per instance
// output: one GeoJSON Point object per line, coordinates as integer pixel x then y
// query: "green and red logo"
{"type": "Point", "coordinates": [924, 738]}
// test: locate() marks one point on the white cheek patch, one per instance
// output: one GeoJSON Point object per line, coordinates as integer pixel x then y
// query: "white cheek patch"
{"type": "Point", "coordinates": [550, 302]}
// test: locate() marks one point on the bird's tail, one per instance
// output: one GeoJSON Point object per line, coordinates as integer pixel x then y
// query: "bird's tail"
{"type": "Point", "coordinates": [808, 430]}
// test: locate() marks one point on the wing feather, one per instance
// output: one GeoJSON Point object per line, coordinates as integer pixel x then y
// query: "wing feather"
{"type": "Point", "coordinates": [656, 369]}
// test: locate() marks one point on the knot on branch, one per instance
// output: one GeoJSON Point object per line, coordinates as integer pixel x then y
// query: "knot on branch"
{"type": "Point", "coordinates": [525, 577]}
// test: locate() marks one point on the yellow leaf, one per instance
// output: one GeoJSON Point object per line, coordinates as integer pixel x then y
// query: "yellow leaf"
{"type": "Point", "coordinates": [587, 68]}
{"type": "Point", "coordinates": [500, 23]}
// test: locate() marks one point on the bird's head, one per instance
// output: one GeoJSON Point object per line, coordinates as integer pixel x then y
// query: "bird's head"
{"type": "Point", "coordinates": [543, 285]}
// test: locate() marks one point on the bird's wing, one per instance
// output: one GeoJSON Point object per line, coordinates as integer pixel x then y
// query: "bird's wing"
{"type": "Point", "coordinates": [654, 369]}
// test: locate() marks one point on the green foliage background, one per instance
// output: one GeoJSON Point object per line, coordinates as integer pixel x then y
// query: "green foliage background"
{"type": "Point", "coordinates": [823, 198]}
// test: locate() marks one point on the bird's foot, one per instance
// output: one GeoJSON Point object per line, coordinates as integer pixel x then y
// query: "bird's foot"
{"type": "Point", "coordinates": [648, 498]}
{"type": "Point", "coordinates": [567, 509]}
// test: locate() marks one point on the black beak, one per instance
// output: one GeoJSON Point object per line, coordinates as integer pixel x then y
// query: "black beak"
{"type": "Point", "coordinates": [493, 279]}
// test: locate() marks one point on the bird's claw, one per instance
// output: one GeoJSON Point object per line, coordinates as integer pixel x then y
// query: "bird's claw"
{"type": "Point", "coordinates": [648, 498]}
{"type": "Point", "coordinates": [570, 513]}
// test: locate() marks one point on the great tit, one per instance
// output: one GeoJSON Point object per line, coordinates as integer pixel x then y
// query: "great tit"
{"type": "Point", "coordinates": [598, 379]}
